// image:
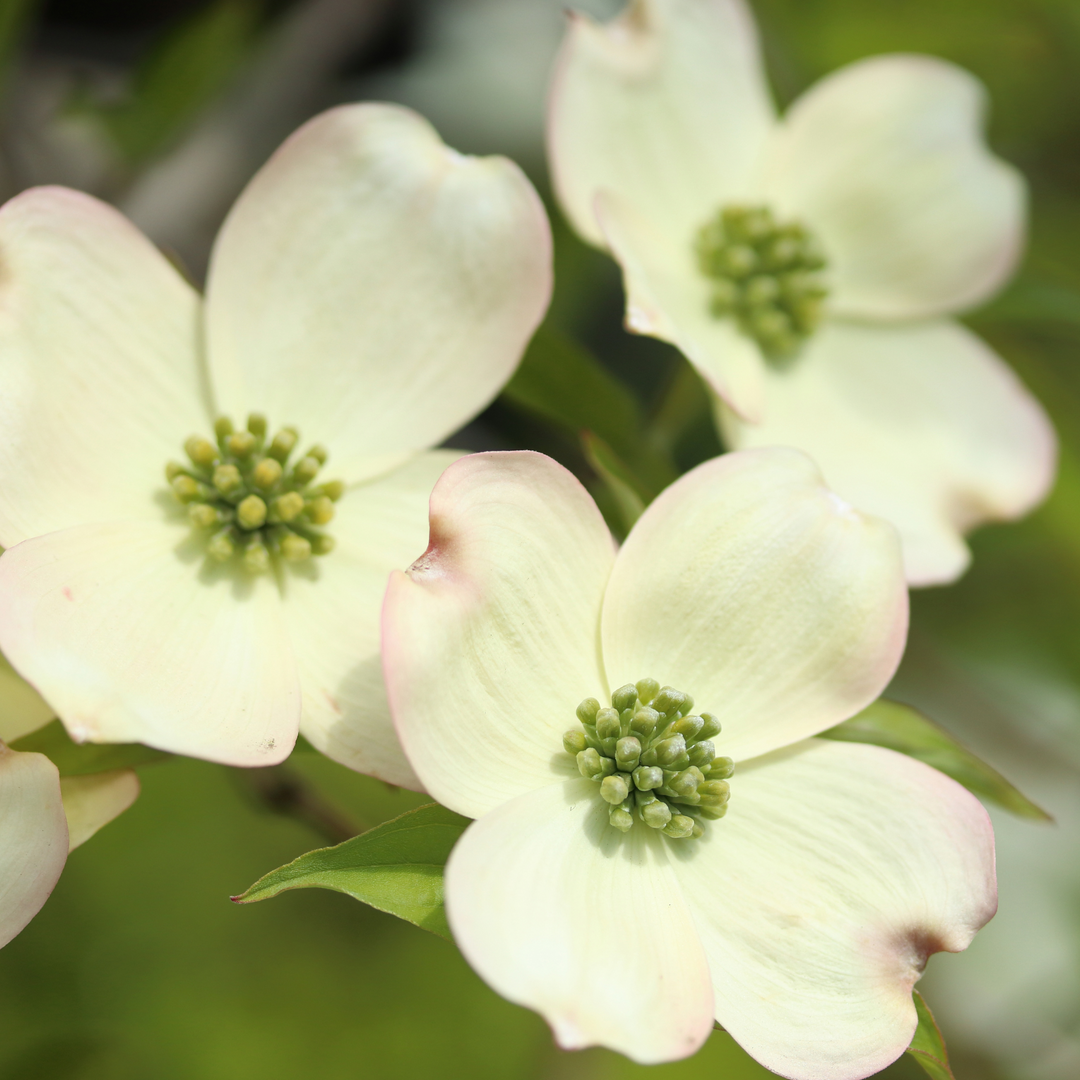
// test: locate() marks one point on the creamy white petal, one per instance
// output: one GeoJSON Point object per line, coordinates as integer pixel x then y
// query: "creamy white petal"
{"type": "Point", "coordinates": [22, 708]}
{"type": "Point", "coordinates": [98, 363]}
{"type": "Point", "coordinates": [374, 287]}
{"type": "Point", "coordinates": [333, 606]}
{"type": "Point", "coordinates": [92, 801]}
{"type": "Point", "coordinates": [886, 162]}
{"type": "Point", "coordinates": [560, 912]}
{"type": "Point", "coordinates": [133, 638]}
{"type": "Point", "coordinates": [667, 298]}
{"type": "Point", "coordinates": [33, 837]}
{"type": "Point", "coordinates": [753, 588]}
{"type": "Point", "coordinates": [491, 640]}
{"type": "Point", "coordinates": [666, 105]}
{"type": "Point", "coordinates": [837, 871]}
{"type": "Point", "coordinates": [922, 425]}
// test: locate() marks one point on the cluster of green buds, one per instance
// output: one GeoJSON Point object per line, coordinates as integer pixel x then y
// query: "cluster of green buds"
{"type": "Point", "coordinates": [653, 759]}
{"type": "Point", "coordinates": [765, 275]}
{"type": "Point", "coordinates": [241, 489]}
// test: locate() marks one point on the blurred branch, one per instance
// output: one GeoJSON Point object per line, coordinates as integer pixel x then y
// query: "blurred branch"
{"type": "Point", "coordinates": [180, 201]}
{"type": "Point", "coordinates": [283, 791]}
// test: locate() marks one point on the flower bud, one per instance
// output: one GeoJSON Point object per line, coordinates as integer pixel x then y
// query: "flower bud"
{"type": "Point", "coordinates": [574, 742]}
{"type": "Point", "coordinates": [613, 789]}
{"type": "Point", "coordinates": [627, 753]}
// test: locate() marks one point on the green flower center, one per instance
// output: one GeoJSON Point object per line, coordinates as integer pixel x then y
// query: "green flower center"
{"type": "Point", "coordinates": [242, 493]}
{"type": "Point", "coordinates": [653, 759]}
{"type": "Point", "coordinates": [765, 275]}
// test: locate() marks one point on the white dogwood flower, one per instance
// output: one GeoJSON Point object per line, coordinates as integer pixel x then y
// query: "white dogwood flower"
{"type": "Point", "coordinates": [370, 291]}
{"type": "Point", "coordinates": [807, 265]}
{"type": "Point", "coordinates": [619, 878]}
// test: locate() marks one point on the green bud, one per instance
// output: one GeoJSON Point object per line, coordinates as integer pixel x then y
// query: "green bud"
{"type": "Point", "coordinates": [647, 777]}
{"type": "Point", "coordinates": [256, 556]}
{"type": "Point", "coordinates": [622, 819]}
{"type": "Point", "coordinates": [319, 511]}
{"type": "Point", "coordinates": [241, 444]}
{"type": "Point", "coordinates": [284, 443]}
{"type": "Point", "coordinates": [721, 768]}
{"type": "Point", "coordinates": [607, 724]}
{"type": "Point", "coordinates": [725, 297]}
{"type": "Point", "coordinates": [656, 814]}
{"type": "Point", "coordinates": [668, 751]}
{"type": "Point", "coordinates": [173, 469]}
{"type": "Point", "coordinates": [223, 427]}
{"type": "Point", "coordinates": [710, 727]}
{"type": "Point", "coordinates": [319, 453]}
{"type": "Point", "coordinates": [614, 789]}
{"type": "Point", "coordinates": [739, 260]}
{"type": "Point", "coordinates": [333, 490]}
{"type": "Point", "coordinates": [287, 507]}
{"type": "Point", "coordinates": [713, 813]}
{"type": "Point", "coordinates": [187, 489]}
{"type": "Point", "coordinates": [644, 722]}
{"type": "Point", "coordinates": [607, 766]}
{"type": "Point", "coordinates": [701, 754]}
{"type": "Point", "coordinates": [679, 827]}
{"type": "Point", "coordinates": [782, 252]}
{"type": "Point", "coordinates": [256, 424]}
{"type": "Point", "coordinates": [648, 757]}
{"type": "Point", "coordinates": [697, 832]}
{"type": "Point", "coordinates": [221, 545]}
{"type": "Point", "coordinates": [321, 544]}
{"type": "Point", "coordinates": [227, 479]}
{"type": "Point", "coordinates": [647, 689]}
{"type": "Point", "coordinates": [295, 548]}
{"type": "Point", "coordinates": [671, 701]}
{"type": "Point", "coordinates": [201, 515]}
{"type": "Point", "coordinates": [761, 289]}
{"type": "Point", "coordinates": [627, 753]}
{"type": "Point", "coordinates": [305, 470]}
{"type": "Point", "coordinates": [686, 782]}
{"type": "Point", "coordinates": [574, 742]}
{"type": "Point", "coordinates": [266, 474]}
{"type": "Point", "coordinates": [589, 764]}
{"type": "Point", "coordinates": [714, 792]}
{"type": "Point", "coordinates": [624, 698]}
{"type": "Point", "coordinates": [201, 451]}
{"type": "Point", "coordinates": [587, 710]}
{"type": "Point", "coordinates": [251, 513]}
{"type": "Point", "coordinates": [688, 727]}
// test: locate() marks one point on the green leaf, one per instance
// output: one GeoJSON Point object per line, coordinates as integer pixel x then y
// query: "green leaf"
{"type": "Point", "coordinates": [900, 727]}
{"type": "Point", "coordinates": [396, 867]}
{"type": "Point", "coordinates": [80, 759]}
{"type": "Point", "coordinates": [1034, 300]}
{"type": "Point", "coordinates": [627, 492]}
{"type": "Point", "coordinates": [927, 1046]}
{"type": "Point", "coordinates": [180, 77]}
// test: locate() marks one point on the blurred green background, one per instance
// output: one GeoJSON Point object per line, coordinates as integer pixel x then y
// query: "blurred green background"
{"type": "Point", "coordinates": [139, 966]}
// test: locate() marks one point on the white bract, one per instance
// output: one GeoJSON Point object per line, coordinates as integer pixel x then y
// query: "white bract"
{"type": "Point", "coordinates": [807, 264]}
{"type": "Point", "coordinates": [43, 816]}
{"type": "Point", "coordinates": [797, 907]}
{"type": "Point", "coordinates": [371, 287]}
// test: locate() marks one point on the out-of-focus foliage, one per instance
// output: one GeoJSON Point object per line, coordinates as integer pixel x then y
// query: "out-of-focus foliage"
{"type": "Point", "coordinates": [179, 77]}
{"type": "Point", "coordinates": [81, 759]}
{"type": "Point", "coordinates": [138, 965]}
